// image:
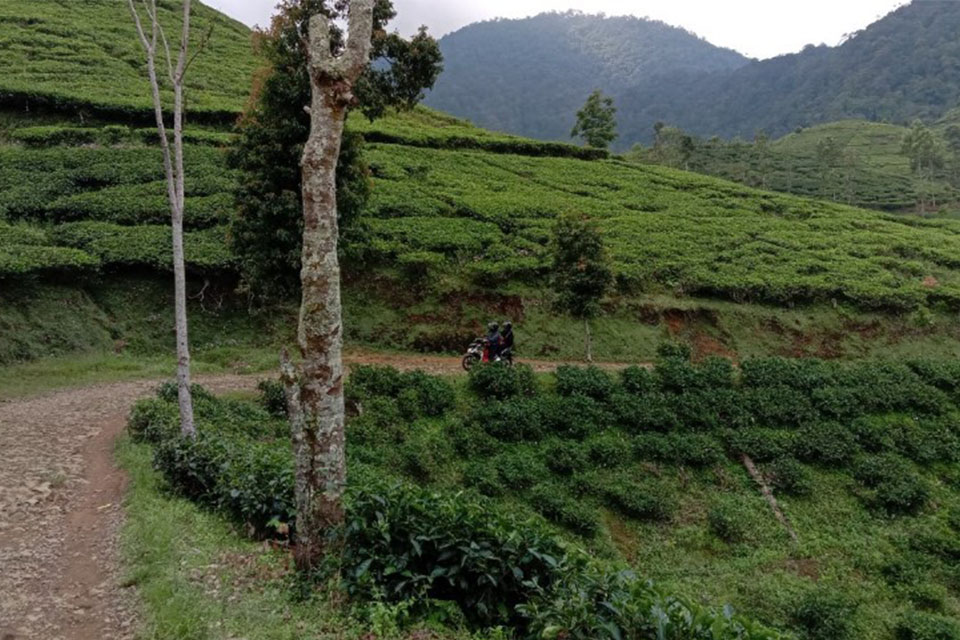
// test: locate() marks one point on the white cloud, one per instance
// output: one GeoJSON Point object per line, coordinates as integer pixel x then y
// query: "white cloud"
{"type": "Point", "coordinates": [758, 28]}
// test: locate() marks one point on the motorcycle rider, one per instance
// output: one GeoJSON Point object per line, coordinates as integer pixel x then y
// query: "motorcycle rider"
{"type": "Point", "coordinates": [493, 341]}
{"type": "Point", "coordinates": [506, 337]}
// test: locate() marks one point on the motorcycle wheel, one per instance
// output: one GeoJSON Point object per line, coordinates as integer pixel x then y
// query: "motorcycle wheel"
{"type": "Point", "coordinates": [469, 360]}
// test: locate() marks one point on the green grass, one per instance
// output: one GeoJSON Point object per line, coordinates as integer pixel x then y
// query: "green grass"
{"type": "Point", "coordinates": [199, 579]}
{"type": "Point", "coordinates": [88, 59]}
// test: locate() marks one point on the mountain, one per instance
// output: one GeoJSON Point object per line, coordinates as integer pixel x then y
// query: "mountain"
{"type": "Point", "coordinates": [530, 76]}
{"type": "Point", "coordinates": [905, 66]}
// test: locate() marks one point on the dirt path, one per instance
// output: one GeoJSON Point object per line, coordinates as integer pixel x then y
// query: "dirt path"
{"type": "Point", "coordinates": [61, 501]}
{"type": "Point", "coordinates": [60, 512]}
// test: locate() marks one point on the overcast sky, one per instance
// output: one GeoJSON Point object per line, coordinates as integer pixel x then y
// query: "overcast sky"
{"type": "Point", "coordinates": [757, 28]}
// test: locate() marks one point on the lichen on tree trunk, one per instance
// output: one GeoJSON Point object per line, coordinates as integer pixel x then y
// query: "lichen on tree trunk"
{"type": "Point", "coordinates": [315, 388]}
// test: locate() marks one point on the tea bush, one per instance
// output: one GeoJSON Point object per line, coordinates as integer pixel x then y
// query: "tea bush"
{"type": "Point", "coordinates": [826, 443]}
{"type": "Point", "coordinates": [893, 484]}
{"type": "Point", "coordinates": [917, 625]}
{"type": "Point", "coordinates": [791, 477]}
{"type": "Point", "coordinates": [520, 469]}
{"type": "Point", "coordinates": [557, 506]}
{"type": "Point", "coordinates": [609, 450]}
{"type": "Point", "coordinates": [592, 382]}
{"type": "Point", "coordinates": [826, 614]}
{"type": "Point", "coordinates": [728, 519]}
{"type": "Point", "coordinates": [499, 381]}
{"type": "Point", "coordinates": [638, 380]}
{"type": "Point", "coordinates": [566, 458]}
{"type": "Point", "coordinates": [513, 420]}
{"type": "Point", "coordinates": [272, 397]}
{"type": "Point", "coordinates": [417, 394]}
{"type": "Point", "coordinates": [576, 416]}
{"type": "Point", "coordinates": [649, 500]}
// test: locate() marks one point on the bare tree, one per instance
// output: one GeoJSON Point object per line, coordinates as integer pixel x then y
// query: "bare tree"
{"type": "Point", "coordinates": [152, 39]}
{"type": "Point", "coordinates": [315, 389]}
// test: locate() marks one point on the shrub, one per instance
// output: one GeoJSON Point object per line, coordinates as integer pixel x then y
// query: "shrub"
{"type": "Point", "coordinates": [895, 486]}
{"type": "Point", "coordinates": [762, 444]}
{"type": "Point", "coordinates": [609, 450]}
{"type": "Point", "coordinates": [641, 500]}
{"type": "Point", "coordinates": [694, 449]}
{"type": "Point", "coordinates": [591, 382]}
{"type": "Point", "coordinates": [653, 412]}
{"type": "Point", "coordinates": [566, 458]}
{"type": "Point", "coordinates": [483, 477]}
{"type": "Point", "coordinates": [575, 416]}
{"type": "Point", "coordinates": [825, 614]}
{"type": "Point", "coordinates": [425, 454]}
{"type": "Point", "coordinates": [368, 381]}
{"type": "Point", "coordinates": [499, 381]}
{"type": "Point", "coordinates": [674, 350]}
{"type": "Point", "coordinates": [779, 406]}
{"type": "Point", "coordinates": [409, 543]}
{"type": "Point", "coordinates": [927, 596]}
{"type": "Point", "coordinates": [678, 375]}
{"type": "Point", "coordinates": [827, 443]}
{"type": "Point", "coordinates": [417, 393]}
{"type": "Point", "coordinates": [273, 397]}
{"type": "Point", "coordinates": [512, 420]}
{"type": "Point", "coordinates": [790, 477]}
{"type": "Point", "coordinates": [595, 603]}
{"type": "Point", "coordinates": [716, 373]}
{"type": "Point", "coordinates": [553, 502]}
{"type": "Point", "coordinates": [638, 380]}
{"type": "Point", "coordinates": [520, 469]}
{"type": "Point", "coordinates": [153, 420]}
{"type": "Point", "coordinates": [917, 625]}
{"type": "Point", "coordinates": [728, 519]}
{"type": "Point", "coordinates": [470, 440]}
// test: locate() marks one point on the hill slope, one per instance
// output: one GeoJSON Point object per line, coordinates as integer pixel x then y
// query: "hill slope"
{"type": "Point", "coordinates": [85, 56]}
{"type": "Point", "coordinates": [866, 166]}
{"type": "Point", "coordinates": [530, 76]}
{"type": "Point", "coordinates": [905, 66]}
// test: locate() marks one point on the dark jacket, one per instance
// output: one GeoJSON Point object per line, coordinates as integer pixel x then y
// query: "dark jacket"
{"type": "Point", "coordinates": [506, 339]}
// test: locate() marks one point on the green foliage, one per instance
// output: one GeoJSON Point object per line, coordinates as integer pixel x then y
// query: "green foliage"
{"type": "Point", "coordinates": [581, 268]}
{"type": "Point", "coordinates": [566, 458]}
{"type": "Point", "coordinates": [918, 625]}
{"type": "Point", "coordinates": [790, 477]}
{"type": "Point", "coordinates": [268, 229]}
{"type": "Point", "coordinates": [892, 484]}
{"type": "Point", "coordinates": [145, 245]}
{"type": "Point", "coordinates": [629, 608]}
{"type": "Point", "coordinates": [637, 380]}
{"type": "Point", "coordinates": [499, 381]}
{"type": "Point", "coordinates": [672, 75]}
{"type": "Point", "coordinates": [512, 420]}
{"type": "Point", "coordinates": [416, 393]}
{"type": "Point", "coordinates": [596, 121]}
{"type": "Point", "coordinates": [648, 500]}
{"type": "Point", "coordinates": [557, 506]}
{"type": "Point", "coordinates": [90, 62]}
{"type": "Point", "coordinates": [728, 519]}
{"type": "Point", "coordinates": [273, 397]}
{"type": "Point", "coordinates": [826, 614]}
{"type": "Point", "coordinates": [592, 382]}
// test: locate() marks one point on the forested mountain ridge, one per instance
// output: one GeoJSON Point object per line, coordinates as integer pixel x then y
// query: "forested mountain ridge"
{"type": "Point", "coordinates": [904, 66]}
{"type": "Point", "coordinates": [531, 75]}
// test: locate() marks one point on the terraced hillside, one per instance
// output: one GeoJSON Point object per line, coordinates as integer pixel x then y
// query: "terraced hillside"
{"type": "Point", "coordinates": [868, 168]}
{"type": "Point", "coordinates": [465, 215]}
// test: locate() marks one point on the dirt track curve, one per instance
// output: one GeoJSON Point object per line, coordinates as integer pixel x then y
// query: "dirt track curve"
{"type": "Point", "coordinates": [61, 498]}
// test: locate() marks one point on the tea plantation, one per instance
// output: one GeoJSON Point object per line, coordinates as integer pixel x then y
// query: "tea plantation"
{"type": "Point", "coordinates": [642, 469]}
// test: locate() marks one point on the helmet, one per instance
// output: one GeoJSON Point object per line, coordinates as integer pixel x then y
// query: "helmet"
{"type": "Point", "coordinates": [493, 326]}
{"type": "Point", "coordinates": [507, 326]}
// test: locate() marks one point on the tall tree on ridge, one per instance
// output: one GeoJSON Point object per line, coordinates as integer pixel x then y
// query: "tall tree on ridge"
{"type": "Point", "coordinates": [596, 121]}
{"type": "Point", "coordinates": [315, 388]}
{"type": "Point", "coordinates": [152, 39]}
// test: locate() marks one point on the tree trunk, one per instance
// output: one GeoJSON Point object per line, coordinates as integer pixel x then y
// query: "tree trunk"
{"type": "Point", "coordinates": [315, 391]}
{"type": "Point", "coordinates": [588, 340]}
{"type": "Point", "coordinates": [174, 173]}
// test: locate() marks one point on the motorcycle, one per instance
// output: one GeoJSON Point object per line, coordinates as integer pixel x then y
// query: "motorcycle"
{"type": "Point", "coordinates": [477, 353]}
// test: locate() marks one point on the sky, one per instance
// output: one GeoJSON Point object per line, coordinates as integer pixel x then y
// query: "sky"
{"type": "Point", "coordinates": [756, 28]}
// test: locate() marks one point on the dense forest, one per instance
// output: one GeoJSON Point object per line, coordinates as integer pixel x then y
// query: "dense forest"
{"type": "Point", "coordinates": [532, 75]}
{"type": "Point", "coordinates": [905, 66]}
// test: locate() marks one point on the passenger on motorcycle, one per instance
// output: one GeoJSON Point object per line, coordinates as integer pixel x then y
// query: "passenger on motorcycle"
{"type": "Point", "coordinates": [506, 338]}
{"type": "Point", "coordinates": [493, 341]}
